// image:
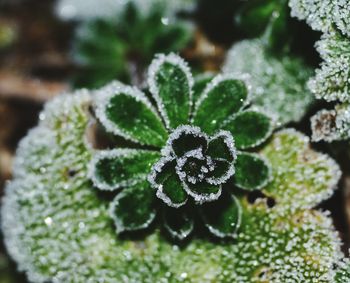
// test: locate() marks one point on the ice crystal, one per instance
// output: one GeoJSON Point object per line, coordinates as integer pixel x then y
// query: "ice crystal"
{"type": "Point", "coordinates": [278, 84]}
{"type": "Point", "coordinates": [289, 242]}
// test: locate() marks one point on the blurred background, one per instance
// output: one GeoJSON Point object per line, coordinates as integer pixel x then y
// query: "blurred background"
{"type": "Point", "coordinates": [50, 47]}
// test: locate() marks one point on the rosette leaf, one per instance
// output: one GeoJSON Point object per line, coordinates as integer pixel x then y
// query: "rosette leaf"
{"type": "Point", "coordinates": [250, 128]}
{"type": "Point", "coordinates": [168, 184]}
{"type": "Point", "coordinates": [179, 223]}
{"type": "Point", "coordinates": [133, 209]}
{"type": "Point", "coordinates": [223, 217]}
{"type": "Point", "coordinates": [114, 169]}
{"type": "Point", "coordinates": [126, 111]}
{"type": "Point", "coordinates": [252, 171]}
{"type": "Point", "coordinates": [223, 97]}
{"type": "Point", "coordinates": [170, 81]}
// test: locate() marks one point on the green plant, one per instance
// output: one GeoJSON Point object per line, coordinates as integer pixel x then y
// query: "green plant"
{"type": "Point", "coordinates": [195, 149]}
{"type": "Point", "coordinates": [331, 81]}
{"type": "Point", "coordinates": [121, 47]}
{"type": "Point", "coordinates": [278, 82]}
{"type": "Point", "coordinates": [57, 224]}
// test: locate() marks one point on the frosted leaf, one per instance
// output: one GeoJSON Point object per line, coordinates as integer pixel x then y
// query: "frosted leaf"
{"type": "Point", "coordinates": [126, 111]}
{"type": "Point", "coordinates": [259, 130]}
{"type": "Point", "coordinates": [164, 179]}
{"type": "Point", "coordinates": [253, 171]}
{"type": "Point", "coordinates": [170, 81]}
{"type": "Point", "coordinates": [278, 85]}
{"type": "Point", "coordinates": [133, 209]}
{"type": "Point", "coordinates": [331, 125]}
{"type": "Point", "coordinates": [317, 13]}
{"type": "Point", "coordinates": [85, 10]}
{"type": "Point", "coordinates": [34, 152]}
{"type": "Point", "coordinates": [114, 169]}
{"type": "Point", "coordinates": [185, 138]}
{"type": "Point", "coordinates": [223, 218]}
{"type": "Point", "coordinates": [80, 244]}
{"type": "Point", "coordinates": [323, 126]}
{"type": "Point", "coordinates": [323, 14]}
{"type": "Point", "coordinates": [332, 80]}
{"type": "Point", "coordinates": [178, 223]}
{"type": "Point", "coordinates": [301, 177]}
{"type": "Point", "coordinates": [343, 272]}
{"type": "Point", "coordinates": [203, 192]}
{"type": "Point", "coordinates": [223, 97]}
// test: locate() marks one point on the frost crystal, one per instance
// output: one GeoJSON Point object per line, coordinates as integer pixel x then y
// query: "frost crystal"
{"type": "Point", "coordinates": [278, 85]}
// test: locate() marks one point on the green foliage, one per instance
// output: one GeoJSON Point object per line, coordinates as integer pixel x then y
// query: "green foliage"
{"type": "Point", "coordinates": [323, 15]}
{"type": "Point", "coordinates": [197, 163]}
{"type": "Point", "coordinates": [252, 172]}
{"type": "Point", "coordinates": [122, 46]}
{"type": "Point", "coordinates": [278, 83]}
{"type": "Point", "coordinates": [58, 229]}
{"type": "Point", "coordinates": [126, 111]}
{"type": "Point", "coordinates": [332, 80]}
{"type": "Point", "coordinates": [223, 98]}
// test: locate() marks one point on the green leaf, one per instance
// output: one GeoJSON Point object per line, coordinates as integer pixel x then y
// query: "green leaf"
{"type": "Point", "coordinates": [225, 96]}
{"type": "Point", "coordinates": [184, 139]}
{"type": "Point", "coordinates": [222, 146]}
{"type": "Point", "coordinates": [169, 187]}
{"type": "Point", "coordinates": [203, 191]}
{"type": "Point", "coordinates": [278, 83]}
{"type": "Point", "coordinates": [252, 171]}
{"type": "Point", "coordinates": [222, 217]}
{"type": "Point", "coordinates": [126, 112]}
{"type": "Point", "coordinates": [113, 169]}
{"type": "Point", "coordinates": [301, 177]}
{"type": "Point", "coordinates": [133, 208]}
{"type": "Point", "coordinates": [178, 222]}
{"type": "Point", "coordinates": [222, 172]}
{"type": "Point", "coordinates": [200, 84]}
{"type": "Point", "coordinates": [249, 128]}
{"type": "Point", "coordinates": [170, 83]}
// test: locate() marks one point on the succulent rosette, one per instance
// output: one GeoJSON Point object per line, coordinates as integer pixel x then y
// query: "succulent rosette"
{"type": "Point", "coordinates": [187, 160]}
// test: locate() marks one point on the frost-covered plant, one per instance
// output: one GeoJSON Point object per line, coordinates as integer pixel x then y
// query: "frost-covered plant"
{"type": "Point", "coordinates": [323, 15]}
{"type": "Point", "coordinates": [57, 224]}
{"type": "Point", "coordinates": [200, 150]}
{"type": "Point", "coordinates": [120, 47]}
{"type": "Point", "coordinates": [332, 80]}
{"type": "Point", "coordinates": [278, 82]}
